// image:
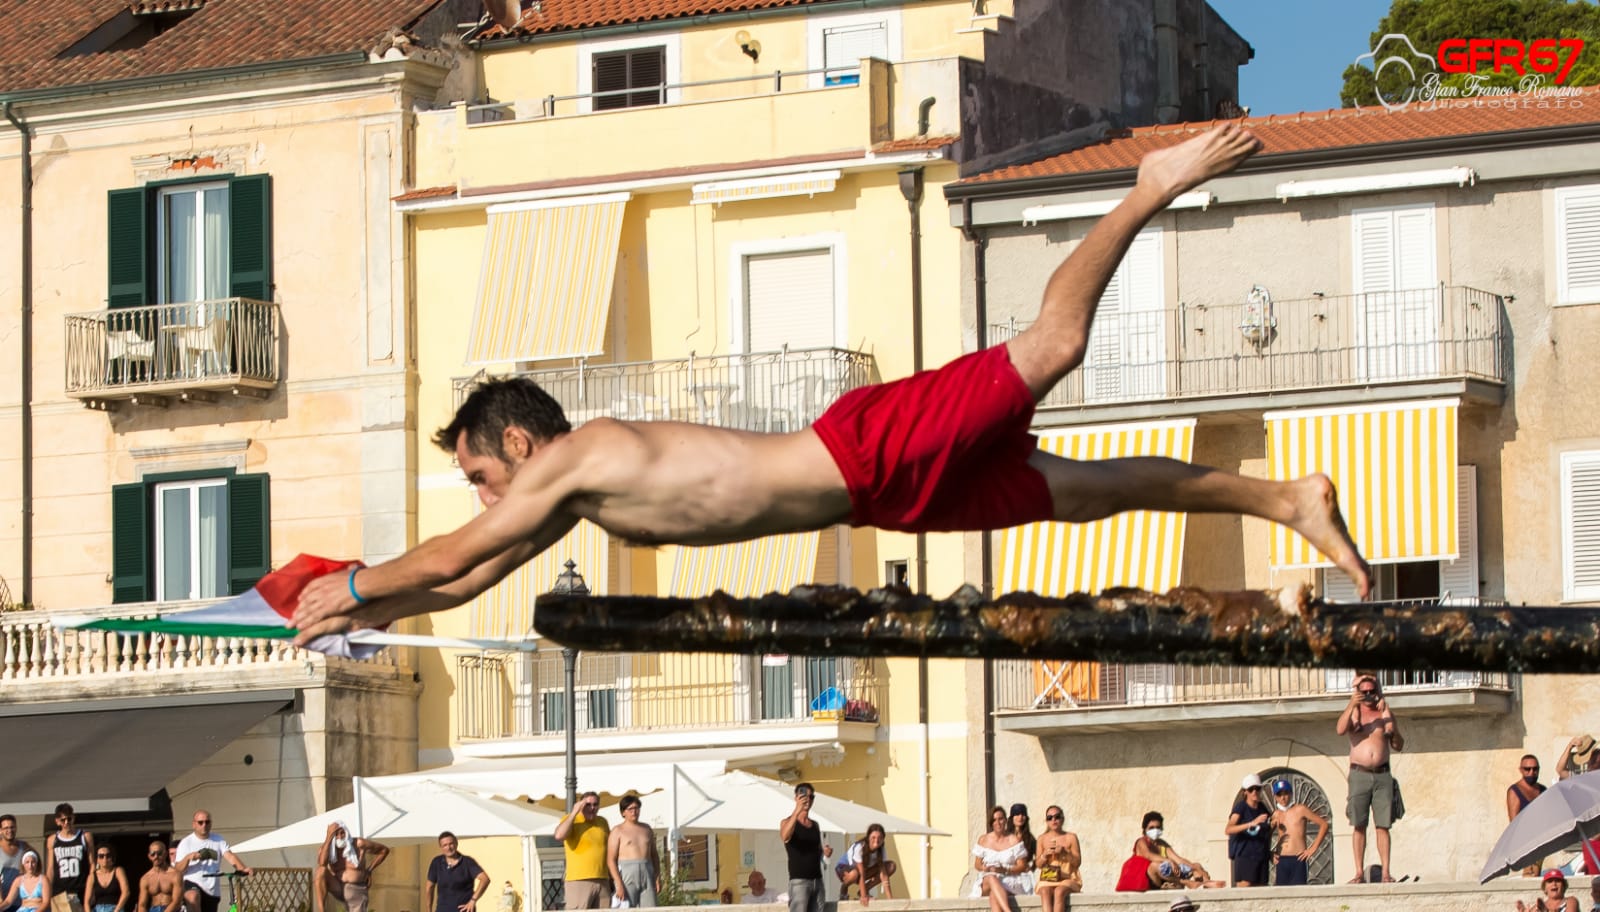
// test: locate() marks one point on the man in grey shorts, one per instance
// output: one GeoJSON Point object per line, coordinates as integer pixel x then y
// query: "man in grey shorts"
{"type": "Point", "coordinates": [632, 858]}
{"type": "Point", "coordinates": [1373, 733]}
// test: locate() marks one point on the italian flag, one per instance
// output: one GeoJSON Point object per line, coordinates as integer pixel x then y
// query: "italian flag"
{"type": "Point", "coordinates": [261, 613]}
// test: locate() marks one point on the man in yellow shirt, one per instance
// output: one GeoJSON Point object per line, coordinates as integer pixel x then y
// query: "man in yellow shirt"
{"type": "Point", "coordinates": [583, 833]}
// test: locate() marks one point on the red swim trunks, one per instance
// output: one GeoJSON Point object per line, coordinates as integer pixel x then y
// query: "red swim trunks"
{"type": "Point", "coordinates": [945, 450]}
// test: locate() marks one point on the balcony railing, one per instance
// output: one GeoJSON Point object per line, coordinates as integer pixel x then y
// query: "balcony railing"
{"type": "Point", "coordinates": [33, 648]}
{"type": "Point", "coordinates": [781, 390]}
{"type": "Point", "coordinates": [663, 93]}
{"type": "Point", "coordinates": [523, 695]}
{"type": "Point", "coordinates": [1200, 350]}
{"type": "Point", "coordinates": [1033, 685]}
{"type": "Point", "coordinates": [149, 355]}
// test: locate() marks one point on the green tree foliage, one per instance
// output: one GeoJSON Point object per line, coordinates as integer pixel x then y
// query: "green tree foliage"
{"type": "Point", "coordinates": [1427, 23]}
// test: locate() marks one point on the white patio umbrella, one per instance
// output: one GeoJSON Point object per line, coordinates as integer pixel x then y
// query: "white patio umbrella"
{"type": "Point", "coordinates": [737, 800]}
{"type": "Point", "coordinates": [411, 813]}
{"type": "Point", "coordinates": [1567, 814]}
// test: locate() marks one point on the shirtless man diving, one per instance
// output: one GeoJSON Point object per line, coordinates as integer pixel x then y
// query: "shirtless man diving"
{"type": "Point", "coordinates": [898, 456]}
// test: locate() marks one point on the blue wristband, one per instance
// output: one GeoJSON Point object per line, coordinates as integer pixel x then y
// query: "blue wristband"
{"type": "Point", "coordinates": [353, 593]}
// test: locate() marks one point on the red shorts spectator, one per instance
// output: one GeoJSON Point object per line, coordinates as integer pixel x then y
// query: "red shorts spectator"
{"type": "Point", "coordinates": [941, 451]}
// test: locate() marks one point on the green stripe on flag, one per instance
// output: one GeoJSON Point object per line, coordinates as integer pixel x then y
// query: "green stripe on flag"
{"type": "Point", "coordinates": [186, 628]}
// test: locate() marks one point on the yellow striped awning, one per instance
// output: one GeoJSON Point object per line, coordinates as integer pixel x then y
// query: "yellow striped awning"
{"type": "Point", "coordinates": [1140, 548]}
{"type": "Point", "coordinates": [545, 287]}
{"type": "Point", "coordinates": [1395, 467]}
{"type": "Point", "coordinates": [776, 563]}
{"type": "Point", "coordinates": [506, 610]}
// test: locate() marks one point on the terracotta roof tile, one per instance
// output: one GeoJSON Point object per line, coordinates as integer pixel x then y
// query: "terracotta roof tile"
{"type": "Point", "coordinates": [424, 193]}
{"type": "Point", "coordinates": [542, 16]}
{"type": "Point", "coordinates": [219, 33]}
{"type": "Point", "coordinates": [914, 144]}
{"type": "Point", "coordinates": [1315, 130]}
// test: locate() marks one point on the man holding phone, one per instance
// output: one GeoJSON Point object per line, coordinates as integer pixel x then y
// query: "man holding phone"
{"type": "Point", "coordinates": [1373, 733]}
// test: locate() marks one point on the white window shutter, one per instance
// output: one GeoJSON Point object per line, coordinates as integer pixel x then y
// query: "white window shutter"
{"type": "Point", "coordinates": [1102, 362]}
{"type": "Point", "coordinates": [1458, 579]}
{"type": "Point", "coordinates": [1578, 245]}
{"type": "Point", "coordinates": [1415, 255]}
{"type": "Point", "coordinates": [1580, 525]}
{"type": "Point", "coordinates": [789, 300]}
{"type": "Point", "coordinates": [1144, 331]}
{"type": "Point", "coordinates": [846, 45]}
{"type": "Point", "coordinates": [1336, 587]}
{"type": "Point", "coordinates": [1375, 267]}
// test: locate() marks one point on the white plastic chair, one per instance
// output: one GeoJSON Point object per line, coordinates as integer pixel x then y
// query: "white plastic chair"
{"type": "Point", "coordinates": [124, 347]}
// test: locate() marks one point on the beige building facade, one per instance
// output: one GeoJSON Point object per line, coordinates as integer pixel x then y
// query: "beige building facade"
{"type": "Point", "coordinates": [1426, 295]}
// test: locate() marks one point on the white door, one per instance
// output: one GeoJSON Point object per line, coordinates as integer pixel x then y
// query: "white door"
{"type": "Point", "coordinates": [1397, 289]}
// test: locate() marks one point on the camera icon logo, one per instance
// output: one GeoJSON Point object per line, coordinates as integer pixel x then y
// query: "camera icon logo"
{"type": "Point", "coordinates": [1407, 67]}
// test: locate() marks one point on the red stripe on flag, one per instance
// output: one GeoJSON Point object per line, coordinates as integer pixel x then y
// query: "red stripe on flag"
{"type": "Point", "coordinates": [281, 589]}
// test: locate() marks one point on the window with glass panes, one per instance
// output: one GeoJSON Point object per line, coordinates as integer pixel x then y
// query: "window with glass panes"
{"type": "Point", "coordinates": [182, 242]}
{"type": "Point", "coordinates": [189, 536]}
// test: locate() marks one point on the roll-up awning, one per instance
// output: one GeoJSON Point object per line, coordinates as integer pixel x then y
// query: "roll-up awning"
{"type": "Point", "coordinates": [1140, 548]}
{"type": "Point", "coordinates": [1394, 464]}
{"type": "Point", "coordinates": [545, 287]}
{"type": "Point", "coordinates": [506, 609]}
{"type": "Point", "coordinates": [776, 563]}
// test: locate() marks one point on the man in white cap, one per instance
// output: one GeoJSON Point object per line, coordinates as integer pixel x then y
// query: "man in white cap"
{"type": "Point", "coordinates": [1249, 835]}
{"type": "Point", "coordinates": [1182, 903]}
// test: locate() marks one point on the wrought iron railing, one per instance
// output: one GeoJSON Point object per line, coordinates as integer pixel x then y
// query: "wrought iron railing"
{"type": "Point", "coordinates": [32, 647]}
{"type": "Point", "coordinates": [1023, 685]}
{"type": "Point", "coordinates": [663, 93]}
{"type": "Point", "coordinates": [780, 390]}
{"type": "Point", "coordinates": [1200, 350]}
{"type": "Point", "coordinates": [167, 348]}
{"type": "Point", "coordinates": [655, 691]}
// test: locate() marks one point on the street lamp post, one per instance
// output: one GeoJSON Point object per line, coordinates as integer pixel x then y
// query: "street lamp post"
{"type": "Point", "coordinates": [570, 582]}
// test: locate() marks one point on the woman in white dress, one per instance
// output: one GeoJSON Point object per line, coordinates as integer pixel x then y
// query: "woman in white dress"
{"type": "Point", "coordinates": [1002, 862]}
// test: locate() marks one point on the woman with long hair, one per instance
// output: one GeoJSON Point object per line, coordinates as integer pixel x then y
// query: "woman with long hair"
{"type": "Point", "coordinates": [1057, 862]}
{"type": "Point", "coordinates": [865, 863]}
{"type": "Point", "coordinates": [1002, 862]}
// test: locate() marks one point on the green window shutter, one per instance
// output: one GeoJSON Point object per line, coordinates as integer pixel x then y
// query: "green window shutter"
{"type": "Point", "coordinates": [249, 531]}
{"type": "Point", "coordinates": [128, 247]}
{"type": "Point", "coordinates": [250, 237]}
{"type": "Point", "coordinates": [131, 579]}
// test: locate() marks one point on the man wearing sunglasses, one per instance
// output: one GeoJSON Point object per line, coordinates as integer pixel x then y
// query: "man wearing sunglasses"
{"type": "Point", "coordinates": [199, 861]}
{"type": "Point", "coordinates": [67, 853]}
{"type": "Point", "coordinates": [160, 887]}
{"type": "Point", "coordinates": [1373, 733]}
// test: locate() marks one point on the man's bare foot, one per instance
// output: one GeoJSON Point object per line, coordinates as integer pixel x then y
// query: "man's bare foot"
{"type": "Point", "coordinates": [1316, 517]}
{"type": "Point", "coordinates": [1192, 162]}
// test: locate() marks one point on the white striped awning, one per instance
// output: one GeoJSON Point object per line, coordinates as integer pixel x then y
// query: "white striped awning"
{"type": "Point", "coordinates": [506, 610]}
{"type": "Point", "coordinates": [776, 563]}
{"type": "Point", "coordinates": [1394, 464]}
{"type": "Point", "coordinates": [1141, 548]}
{"type": "Point", "coordinates": [545, 287]}
{"type": "Point", "coordinates": [807, 184]}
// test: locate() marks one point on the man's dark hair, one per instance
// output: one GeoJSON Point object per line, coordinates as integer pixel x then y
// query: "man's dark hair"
{"type": "Point", "coordinates": [804, 789]}
{"type": "Point", "coordinates": [64, 808]}
{"type": "Point", "coordinates": [629, 801]}
{"type": "Point", "coordinates": [446, 835]}
{"type": "Point", "coordinates": [495, 405]}
{"type": "Point", "coordinates": [8, 818]}
{"type": "Point", "coordinates": [1152, 817]}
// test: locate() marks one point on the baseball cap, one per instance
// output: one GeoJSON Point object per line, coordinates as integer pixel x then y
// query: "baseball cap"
{"type": "Point", "coordinates": [1554, 874]}
{"type": "Point", "coordinates": [1251, 781]}
{"type": "Point", "coordinates": [1019, 810]}
{"type": "Point", "coordinates": [1281, 787]}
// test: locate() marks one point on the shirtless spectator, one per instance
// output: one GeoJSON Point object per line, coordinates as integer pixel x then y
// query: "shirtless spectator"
{"type": "Point", "coordinates": [1520, 794]}
{"type": "Point", "coordinates": [160, 886]}
{"type": "Point", "coordinates": [898, 456]}
{"type": "Point", "coordinates": [632, 858]}
{"type": "Point", "coordinates": [1057, 865]}
{"type": "Point", "coordinates": [1290, 818]}
{"type": "Point", "coordinates": [1373, 733]}
{"type": "Point", "coordinates": [344, 868]}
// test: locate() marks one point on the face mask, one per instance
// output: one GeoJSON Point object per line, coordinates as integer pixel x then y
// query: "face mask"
{"type": "Point", "coordinates": [1154, 833]}
{"type": "Point", "coordinates": [1531, 780]}
{"type": "Point", "coordinates": [340, 842]}
{"type": "Point", "coordinates": [1283, 805]}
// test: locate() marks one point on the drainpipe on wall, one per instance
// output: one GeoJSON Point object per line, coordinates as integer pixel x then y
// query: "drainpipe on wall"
{"type": "Point", "coordinates": [26, 360]}
{"type": "Point", "coordinates": [1166, 24]}
{"type": "Point", "coordinates": [911, 189]}
{"type": "Point", "coordinates": [980, 302]}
